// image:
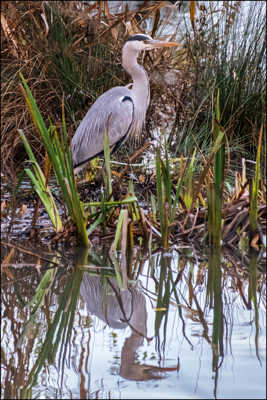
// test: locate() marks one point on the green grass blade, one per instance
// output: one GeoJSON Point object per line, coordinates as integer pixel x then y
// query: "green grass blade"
{"type": "Point", "coordinates": [215, 191]}
{"type": "Point", "coordinates": [188, 179]}
{"type": "Point", "coordinates": [254, 190]}
{"type": "Point", "coordinates": [107, 179]}
{"type": "Point", "coordinates": [128, 200]}
{"type": "Point", "coordinates": [47, 200]}
{"type": "Point", "coordinates": [95, 224]}
{"type": "Point", "coordinates": [40, 186]}
{"type": "Point", "coordinates": [60, 156]}
{"type": "Point", "coordinates": [159, 191]}
{"type": "Point", "coordinates": [118, 231]}
{"type": "Point", "coordinates": [166, 172]}
{"type": "Point", "coordinates": [153, 208]}
{"type": "Point", "coordinates": [176, 199]}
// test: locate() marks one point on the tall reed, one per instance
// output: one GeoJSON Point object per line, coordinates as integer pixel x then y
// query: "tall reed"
{"type": "Point", "coordinates": [215, 190]}
{"type": "Point", "coordinates": [58, 150]}
{"type": "Point", "coordinates": [254, 192]}
{"type": "Point", "coordinates": [228, 52]}
{"type": "Point", "coordinates": [166, 200]}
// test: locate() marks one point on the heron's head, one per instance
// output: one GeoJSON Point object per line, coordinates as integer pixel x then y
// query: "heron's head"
{"type": "Point", "coordinates": [141, 42]}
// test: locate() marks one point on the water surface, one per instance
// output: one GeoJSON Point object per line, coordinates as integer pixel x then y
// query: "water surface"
{"type": "Point", "coordinates": [181, 326]}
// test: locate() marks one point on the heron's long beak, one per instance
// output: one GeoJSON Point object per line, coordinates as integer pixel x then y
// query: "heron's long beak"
{"type": "Point", "coordinates": [155, 44]}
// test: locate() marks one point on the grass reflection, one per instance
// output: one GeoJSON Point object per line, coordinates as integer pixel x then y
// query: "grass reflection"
{"type": "Point", "coordinates": [72, 308]}
{"type": "Point", "coordinates": [252, 295]}
{"type": "Point", "coordinates": [59, 331]}
{"type": "Point", "coordinates": [214, 297]}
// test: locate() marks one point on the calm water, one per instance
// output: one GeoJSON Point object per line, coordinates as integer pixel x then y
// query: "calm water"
{"type": "Point", "coordinates": [183, 326]}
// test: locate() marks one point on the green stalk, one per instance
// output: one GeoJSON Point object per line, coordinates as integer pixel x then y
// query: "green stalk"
{"type": "Point", "coordinates": [41, 188]}
{"type": "Point", "coordinates": [153, 208]}
{"type": "Point", "coordinates": [118, 231]}
{"type": "Point", "coordinates": [215, 192]}
{"type": "Point", "coordinates": [254, 189]}
{"type": "Point", "coordinates": [128, 200]}
{"type": "Point", "coordinates": [107, 176]}
{"type": "Point", "coordinates": [219, 165]}
{"type": "Point", "coordinates": [166, 172]}
{"type": "Point", "coordinates": [188, 180]}
{"type": "Point", "coordinates": [160, 194]}
{"type": "Point", "coordinates": [60, 156]}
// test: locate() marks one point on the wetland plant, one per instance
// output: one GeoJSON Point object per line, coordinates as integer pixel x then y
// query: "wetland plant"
{"type": "Point", "coordinates": [59, 153]}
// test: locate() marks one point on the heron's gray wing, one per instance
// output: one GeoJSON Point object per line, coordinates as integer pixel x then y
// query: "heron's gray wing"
{"type": "Point", "coordinates": [113, 111]}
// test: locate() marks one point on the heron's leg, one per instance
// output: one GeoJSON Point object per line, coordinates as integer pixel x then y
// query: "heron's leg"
{"type": "Point", "coordinates": [133, 157]}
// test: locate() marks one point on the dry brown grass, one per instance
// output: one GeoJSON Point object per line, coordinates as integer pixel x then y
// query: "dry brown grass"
{"type": "Point", "coordinates": [61, 51]}
{"type": "Point", "coordinates": [24, 49]}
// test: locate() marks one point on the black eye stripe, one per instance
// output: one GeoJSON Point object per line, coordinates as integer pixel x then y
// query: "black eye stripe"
{"type": "Point", "coordinates": [138, 37]}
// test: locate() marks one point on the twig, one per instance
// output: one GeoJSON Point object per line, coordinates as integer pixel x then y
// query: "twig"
{"type": "Point", "coordinates": [28, 252]}
{"type": "Point", "coordinates": [134, 156]}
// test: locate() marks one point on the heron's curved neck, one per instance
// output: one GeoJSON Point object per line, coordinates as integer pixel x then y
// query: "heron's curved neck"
{"type": "Point", "coordinates": [140, 89]}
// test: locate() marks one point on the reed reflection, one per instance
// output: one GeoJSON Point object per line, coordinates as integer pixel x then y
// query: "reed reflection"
{"type": "Point", "coordinates": [50, 333]}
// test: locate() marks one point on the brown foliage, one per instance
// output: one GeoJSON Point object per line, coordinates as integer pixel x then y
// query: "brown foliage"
{"type": "Point", "coordinates": [62, 48]}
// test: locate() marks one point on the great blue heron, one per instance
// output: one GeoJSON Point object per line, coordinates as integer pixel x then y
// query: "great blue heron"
{"type": "Point", "coordinates": [120, 111]}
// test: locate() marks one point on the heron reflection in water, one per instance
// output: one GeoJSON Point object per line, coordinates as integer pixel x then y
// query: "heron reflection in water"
{"type": "Point", "coordinates": [120, 111]}
{"type": "Point", "coordinates": [121, 309]}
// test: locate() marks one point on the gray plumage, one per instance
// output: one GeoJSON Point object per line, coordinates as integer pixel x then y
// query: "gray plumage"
{"type": "Point", "coordinates": [117, 117]}
{"type": "Point", "coordinates": [120, 111]}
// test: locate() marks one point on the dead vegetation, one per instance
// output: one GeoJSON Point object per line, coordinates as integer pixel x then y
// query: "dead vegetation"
{"type": "Point", "coordinates": [73, 50]}
{"type": "Point", "coordinates": [63, 49]}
